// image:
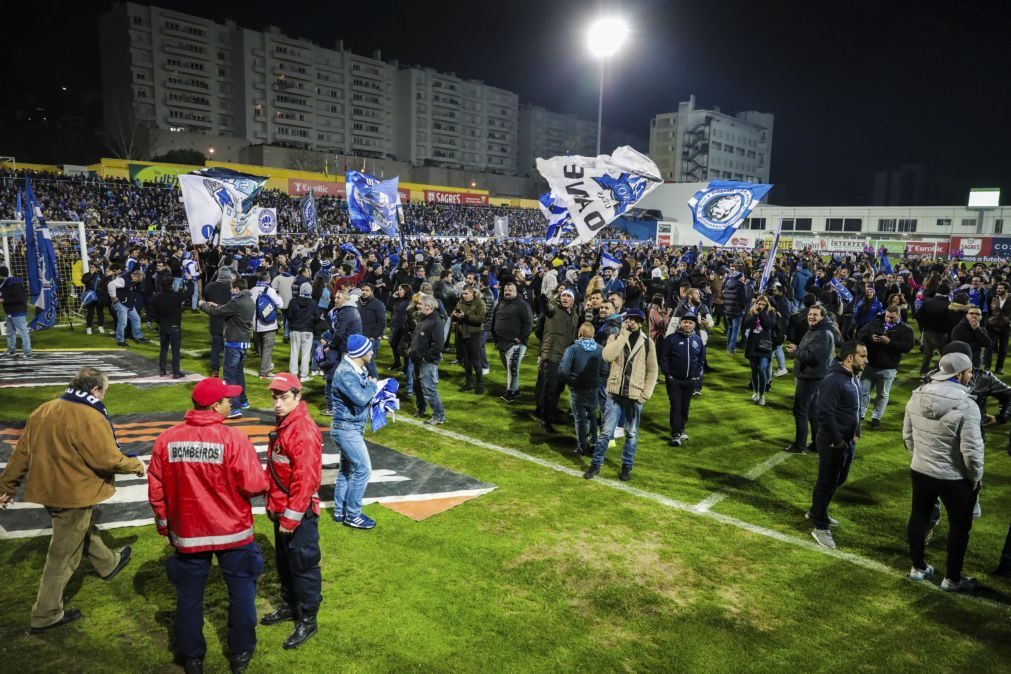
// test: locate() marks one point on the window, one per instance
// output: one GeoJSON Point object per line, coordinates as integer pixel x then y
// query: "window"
{"type": "Point", "coordinates": [907, 225]}
{"type": "Point", "coordinates": [886, 224]}
{"type": "Point", "coordinates": [968, 222]}
{"type": "Point", "coordinates": [755, 223]}
{"type": "Point", "coordinates": [843, 224]}
{"type": "Point", "coordinates": [796, 224]}
{"type": "Point", "coordinates": [998, 226]}
{"type": "Point", "coordinates": [944, 222]}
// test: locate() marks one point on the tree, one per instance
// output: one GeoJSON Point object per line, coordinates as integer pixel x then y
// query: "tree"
{"type": "Point", "coordinates": [193, 157]}
{"type": "Point", "coordinates": [126, 137]}
{"type": "Point", "coordinates": [305, 160]}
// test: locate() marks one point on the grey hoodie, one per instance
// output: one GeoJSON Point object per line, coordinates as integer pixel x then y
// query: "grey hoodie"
{"type": "Point", "coordinates": [942, 431]}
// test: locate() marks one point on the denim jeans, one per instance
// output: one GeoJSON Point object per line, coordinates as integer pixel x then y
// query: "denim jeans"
{"type": "Point", "coordinates": [484, 350]}
{"type": "Point", "coordinates": [217, 347]}
{"type": "Point", "coordinates": [584, 409]}
{"type": "Point", "coordinates": [188, 572]}
{"type": "Point", "coordinates": [409, 375]}
{"type": "Point", "coordinates": [805, 405]}
{"type": "Point", "coordinates": [426, 388]}
{"type": "Point", "coordinates": [511, 359]}
{"type": "Point", "coordinates": [882, 381]}
{"type": "Point", "coordinates": [779, 357]}
{"type": "Point", "coordinates": [17, 326]}
{"type": "Point", "coordinates": [733, 332]}
{"type": "Point", "coordinates": [235, 373]}
{"type": "Point", "coordinates": [833, 469]}
{"type": "Point", "coordinates": [370, 366]}
{"type": "Point", "coordinates": [355, 469]}
{"type": "Point", "coordinates": [759, 373]}
{"type": "Point", "coordinates": [616, 406]}
{"type": "Point", "coordinates": [122, 316]}
{"type": "Point", "coordinates": [198, 286]}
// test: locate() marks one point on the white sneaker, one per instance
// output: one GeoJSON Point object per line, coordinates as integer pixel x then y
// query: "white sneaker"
{"type": "Point", "coordinates": [921, 574]}
{"type": "Point", "coordinates": [485, 371]}
{"type": "Point", "coordinates": [87, 331]}
{"type": "Point", "coordinates": [824, 538]}
{"type": "Point", "coordinates": [101, 330]}
{"type": "Point", "coordinates": [619, 432]}
{"type": "Point", "coordinates": [761, 401]}
{"type": "Point", "coordinates": [780, 372]}
{"type": "Point", "coordinates": [754, 397]}
{"type": "Point", "coordinates": [967, 584]}
{"type": "Point", "coordinates": [684, 437]}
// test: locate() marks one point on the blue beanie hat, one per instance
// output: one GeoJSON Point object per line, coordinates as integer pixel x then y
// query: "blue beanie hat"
{"type": "Point", "coordinates": [358, 346]}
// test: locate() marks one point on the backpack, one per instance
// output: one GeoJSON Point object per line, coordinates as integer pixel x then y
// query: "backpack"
{"type": "Point", "coordinates": [266, 309]}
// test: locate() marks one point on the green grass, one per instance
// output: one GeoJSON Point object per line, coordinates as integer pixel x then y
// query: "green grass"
{"type": "Point", "coordinates": [552, 573]}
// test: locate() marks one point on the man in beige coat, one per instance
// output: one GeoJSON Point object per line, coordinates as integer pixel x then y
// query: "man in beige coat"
{"type": "Point", "coordinates": [630, 384]}
{"type": "Point", "coordinates": [71, 448]}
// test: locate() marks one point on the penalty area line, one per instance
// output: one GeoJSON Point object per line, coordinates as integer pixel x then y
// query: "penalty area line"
{"type": "Point", "coordinates": [693, 509]}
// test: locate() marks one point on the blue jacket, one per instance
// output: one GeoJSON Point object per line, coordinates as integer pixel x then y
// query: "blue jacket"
{"type": "Point", "coordinates": [345, 321]}
{"type": "Point", "coordinates": [580, 367]}
{"type": "Point", "coordinates": [838, 406]}
{"type": "Point", "coordinates": [681, 356]}
{"type": "Point", "coordinates": [352, 391]}
{"type": "Point", "coordinates": [864, 313]}
{"type": "Point", "coordinates": [799, 283]}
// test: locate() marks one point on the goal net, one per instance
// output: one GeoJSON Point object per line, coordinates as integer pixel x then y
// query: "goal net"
{"type": "Point", "coordinates": [70, 245]}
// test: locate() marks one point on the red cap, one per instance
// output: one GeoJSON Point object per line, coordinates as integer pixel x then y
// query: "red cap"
{"type": "Point", "coordinates": [211, 390]}
{"type": "Point", "coordinates": [285, 381]}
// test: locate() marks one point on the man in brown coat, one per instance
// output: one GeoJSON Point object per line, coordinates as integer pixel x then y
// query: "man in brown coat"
{"type": "Point", "coordinates": [71, 448]}
{"type": "Point", "coordinates": [561, 321]}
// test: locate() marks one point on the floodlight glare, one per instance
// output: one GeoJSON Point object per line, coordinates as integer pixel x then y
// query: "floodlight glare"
{"type": "Point", "coordinates": [606, 36]}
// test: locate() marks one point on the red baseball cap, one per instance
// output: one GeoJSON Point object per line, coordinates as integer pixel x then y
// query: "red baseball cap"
{"type": "Point", "coordinates": [285, 381]}
{"type": "Point", "coordinates": [211, 390]}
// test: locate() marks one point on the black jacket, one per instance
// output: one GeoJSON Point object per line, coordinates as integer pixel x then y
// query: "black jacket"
{"type": "Point", "coordinates": [838, 406]}
{"type": "Point", "coordinates": [428, 339]}
{"type": "Point", "coordinates": [933, 315]}
{"type": "Point", "coordinates": [886, 356]}
{"type": "Point", "coordinates": [513, 320]}
{"type": "Point", "coordinates": [219, 293]}
{"type": "Point", "coordinates": [15, 296]}
{"type": "Point", "coordinates": [238, 316]}
{"type": "Point", "coordinates": [167, 307]}
{"type": "Point", "coordinates": [373, 313]}
{"type": "Point", "coordinates": [815, 351]}
{"type": "Point", "coordinates": [978, 339]}
{"type": "Point", "coordinates": [301, 314]}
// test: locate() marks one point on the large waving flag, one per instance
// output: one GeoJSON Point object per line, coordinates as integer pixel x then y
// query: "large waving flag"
{"type": "Point", "coordinates": [560, 225]}
{"type": "Point", "coordinates": [307, 207]}
{"type": "Point", "coordinates": [382, 202]}
{"type": "Point", "coordinates": [771, 262]}
{"type": "Point", "coordinates": [218, 204]}
{"type": "Point", "coordinates": [719, 209]}
{"type": "Point", "coordinates": [43, 276]}
{"type": "Point", "coordinates": [245, 185]}
{"type": "Point", "coordinates": [596, 190]}
{"type": "Point", "coordinates": [357, 182]}
{"type": "Point", "coordinates": [607, 260]}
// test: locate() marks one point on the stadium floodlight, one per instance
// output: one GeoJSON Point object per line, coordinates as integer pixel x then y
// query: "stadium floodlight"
{"type": "Point", "coordinates": [984, 197]}
{"type": "Point", "coordinates": [604, 39]}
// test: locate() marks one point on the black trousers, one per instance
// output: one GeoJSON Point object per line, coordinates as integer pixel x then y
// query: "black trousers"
{"type": "Point", "coordinates": [89, 314]}
{"type": "Point", "coordinates": [679, 391]}
{"type": "Point", "coordinates": [1005, 555]}
{"type": "Point", "coordinates": [471, 352]}
{"type": "Point", "coordinates": [833, 469]}
{"type": "Point", "coordinates": [998, 343]}
{"type": "Point", "coordinates": [297, 555]}
{"type": "Point", "coordinates": [169, 336]}
{"type": "Point", "coordinates": [547, 390]}
{"type": "Point", "coordinates": [805, 403]}
{"type": "Point", "coordinates": [959, 499]}
{"type": "Point", "coordinates": [396, 337]}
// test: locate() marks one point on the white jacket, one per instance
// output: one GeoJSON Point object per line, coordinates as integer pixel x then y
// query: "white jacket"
{"type": "Point", "coordinates": [942, 430]}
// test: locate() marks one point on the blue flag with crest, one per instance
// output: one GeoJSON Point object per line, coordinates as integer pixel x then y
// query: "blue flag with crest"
{"type": "Point", "coordinates": [43, 275]}
{"type": "Point", "coordinates": [248, 186]}
{"type": "Point", "coordinates": [307, 207]}
{"type": "Point", "coordinates": [356, 183]}
{"type": "Point", "coordinates": [719, 209]}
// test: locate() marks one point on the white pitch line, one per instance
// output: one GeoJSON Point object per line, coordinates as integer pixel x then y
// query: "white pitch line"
{"type": "Point", "coordinates": [852, 558]}
{"type": "Point", "coordinates": [758, 471]}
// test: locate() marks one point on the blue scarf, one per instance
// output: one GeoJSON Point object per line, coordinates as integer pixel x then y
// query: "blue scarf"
{"type": "Point", "coordinates": [85, 398]}
{"type": "Point", "coordinates": [587, 344]}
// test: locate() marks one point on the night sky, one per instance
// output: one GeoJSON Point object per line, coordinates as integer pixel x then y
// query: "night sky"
{"type": "Point", "coordinates": [856, 87]}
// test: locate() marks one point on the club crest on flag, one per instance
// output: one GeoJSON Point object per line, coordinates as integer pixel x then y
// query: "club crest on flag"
{"type": "Point", "coordinates": [723, 205]}
{"type": "Point", "coordinates": [267, 222]}
{"type": "Point", "coordinates": [626, 190]}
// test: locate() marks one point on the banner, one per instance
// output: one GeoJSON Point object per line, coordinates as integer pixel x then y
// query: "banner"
{"type": "Point", "coordinates": [307, 208]}
{"type": "Point", "coordinates": [933, 248]}
{"type": "Point", "coordinates": [501, 226]}
{"type": "Point", "coordinates": [357, 181]}
{"type": "Point", "coordinates": [456, 198]}
{"type": "Point", "coordinates": [560, 225]}
{"type": "Point", "coordinates": [321, 188]}
{"type": "Point", "coordinates": [720, 208]}
{"type": "Point", "coordinates": [245, 185]}
{"type": "Point", "coordinates": [664, 234]}
{"type": "Point", "coordinates": [43, 276]}
{"type": "Point", "coordinates": [204, 200]}
{"type": "Point", "coordinates": [373, 203]}
{"type": "Point", "coordinates": [840, 245]}
{"type": "Point", "coordinates": [596, 190]}
{"type": "Point", "coordinates": [973, 246]}
{"type": "Point", "coordinates": [166, 175]}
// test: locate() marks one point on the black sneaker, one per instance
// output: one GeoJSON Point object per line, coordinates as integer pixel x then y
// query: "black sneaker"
{"type": "Point", "coordinates": [465, 388]}
{"type": "Point", "coordinates": [875, 424]}
{"type": "Point", "coordinates": [281, 615]}
{"type": "Point", "coordinates": [626, 473]}
{"type": "Point", "coordinates": [142, 340]}
{"type": "Point", "coordinates": [479, 389]}
{"type": "Point", "coordinates": [193, 665]}
{"type": "Point", "coordinates": [793, 449]}
{"type": "Point", "coordinates": [69, 616]}
{"type": "Point", "coordinates": [124, 559]}
{"type": "Point", "coordinates": [591, 472]}
{"type": "Point", "coordinates": [675, 442]}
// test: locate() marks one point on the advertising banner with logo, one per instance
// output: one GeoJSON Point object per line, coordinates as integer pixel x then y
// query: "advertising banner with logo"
{"type": "Point", "coordinates": [894, 246]}
{"type": "Point", "coordinates": [742, 238]}
{"type": "Point", "coordinates": [664, 234]}
{"type": "Point", "coordinates": [300, 186]}
{"type": "Point", "coordinates": [459, 198]}
{"type": "Point", "coordinates": [1000, 246]}
{"type": "Point", "coordinates": [939, 248]}
{"type": "Point", "coordinates": [970, 246]}
{"type": "Point", "coordinates": [154, 173]}
{"type": "Point", "coordinates": [840, 244]}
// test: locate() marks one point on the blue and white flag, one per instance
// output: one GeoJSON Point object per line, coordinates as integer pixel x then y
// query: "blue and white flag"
{"type": "Point", "coordinates": [596, 190]}
{"type": "Point", "coordinates": [719, 209]}
{"type": "Point", "coordinates": [307, 207]}
{"type": "Point", "coordinates": [18, 210]}
{"type": "Point", "coordinates": [382, 203]}
{"type": "Point", "coordinates": [560, 225]}
{"type": "Point", "coordinates": [355, 183]}
{"type": "Point", "coordinates": [609, 261]}
{"type": "Point", "coordinates": [771, 262]}
{"type": "Point", "coordinates": [245, 185]}
{"type": "Point", "coordinates": [843, 291]}
{"type": "Point", "coordinates": [43, 276]}
{"type": "Point", "coordinates": [384, 403]}
{"type": "Point", "coordinates": [501, 229]}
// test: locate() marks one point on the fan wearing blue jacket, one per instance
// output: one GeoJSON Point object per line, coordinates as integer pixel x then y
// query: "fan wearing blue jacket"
{"type": "Point", "coordinates": [582, 368]}
{"type": "Point", "coordinates": [681, 364]}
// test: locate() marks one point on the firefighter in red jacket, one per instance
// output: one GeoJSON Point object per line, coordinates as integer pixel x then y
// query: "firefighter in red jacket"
{"type": "Point", "coordinates": [294, 467]}
{"type": "Point", "coordinates": [201, 478]}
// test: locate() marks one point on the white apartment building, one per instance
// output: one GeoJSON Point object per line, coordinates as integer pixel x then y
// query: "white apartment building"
{"type": "Point", "coordinates": [446, 121]}
{"type": "Point", "coordinates": [693, 144]}
{"type": "Point", "coordinates": [543, 133]}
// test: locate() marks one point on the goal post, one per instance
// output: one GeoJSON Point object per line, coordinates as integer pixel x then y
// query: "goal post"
{"type": "Point", "coordinates": [71, 247]}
